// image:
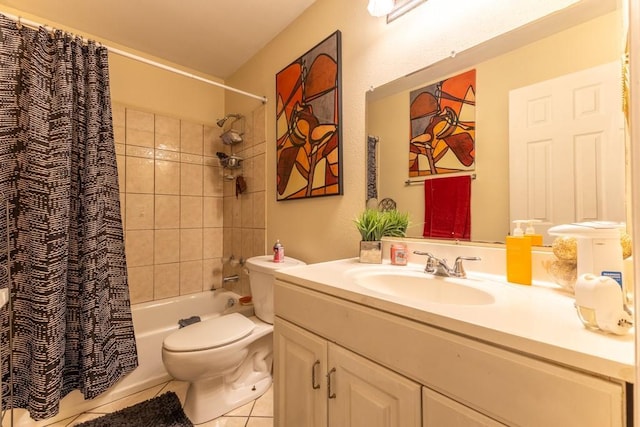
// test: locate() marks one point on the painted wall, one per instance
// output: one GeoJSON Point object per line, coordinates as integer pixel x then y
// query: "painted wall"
{"type": "Point", "coordinates": [373, 53]}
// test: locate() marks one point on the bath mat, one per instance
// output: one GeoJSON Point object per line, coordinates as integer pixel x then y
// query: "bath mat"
{"type": "Point", "coordinates": [161, 411]}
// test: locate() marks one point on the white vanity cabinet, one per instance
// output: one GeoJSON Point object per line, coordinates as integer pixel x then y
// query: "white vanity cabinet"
{"type": "Point", "coordinates": [318, 383]}
{"type": "Point", "coordinates": [438, 377]}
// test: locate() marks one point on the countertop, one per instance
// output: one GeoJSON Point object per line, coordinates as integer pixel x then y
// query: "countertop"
{"type": "Point", "coordinates": [538, 320]}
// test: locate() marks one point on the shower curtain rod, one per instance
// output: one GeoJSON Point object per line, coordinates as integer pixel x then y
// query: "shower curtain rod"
{"type": "Point", "coordinates": [147, 61]}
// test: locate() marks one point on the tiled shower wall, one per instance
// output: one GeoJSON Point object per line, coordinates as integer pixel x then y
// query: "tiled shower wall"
{"type": "Point", "coordinates": [173, 195]}
{"type": "Point", "coordinates": [244, 214]}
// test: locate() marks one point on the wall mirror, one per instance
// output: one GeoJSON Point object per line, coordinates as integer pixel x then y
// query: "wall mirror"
{"type": "Point", "coordinates": [576, 39]}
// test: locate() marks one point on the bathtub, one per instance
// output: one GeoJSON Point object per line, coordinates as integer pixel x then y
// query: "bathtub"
{"type": "Point", "coordinates": [152, 322]}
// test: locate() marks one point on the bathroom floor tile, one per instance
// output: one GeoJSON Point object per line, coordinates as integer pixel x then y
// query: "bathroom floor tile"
{"type": "Point", "coordinates": [244, 410]}
{"type": "Point", "coordinates": [264, 405]}
{"type": "Point", "coordinates": [260, 422]}
{"type": "Point", "coordinates": [225, 422]}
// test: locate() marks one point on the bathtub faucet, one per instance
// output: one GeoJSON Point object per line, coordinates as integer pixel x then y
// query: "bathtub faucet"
{"type": "Point", "coordinates": [228, 279]}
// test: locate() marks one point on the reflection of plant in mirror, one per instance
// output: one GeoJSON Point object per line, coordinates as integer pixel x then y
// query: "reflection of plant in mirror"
{"type": "Point", "coordinates": [373, 224]}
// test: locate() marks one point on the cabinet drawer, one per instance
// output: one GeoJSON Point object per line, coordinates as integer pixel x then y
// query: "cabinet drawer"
{"type": "Point", "coordinates": [506, 386]}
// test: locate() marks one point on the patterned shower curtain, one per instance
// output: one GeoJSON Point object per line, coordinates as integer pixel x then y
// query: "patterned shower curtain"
{"type": "Point", "coordinates": [72, 326]}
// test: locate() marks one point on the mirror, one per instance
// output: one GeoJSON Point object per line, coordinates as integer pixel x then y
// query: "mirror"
{"type": "Point", "coordinates": [561, 44]}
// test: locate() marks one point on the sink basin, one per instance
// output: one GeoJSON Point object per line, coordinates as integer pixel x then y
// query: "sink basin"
{"type": "Point", "coordinates": [419, 286]}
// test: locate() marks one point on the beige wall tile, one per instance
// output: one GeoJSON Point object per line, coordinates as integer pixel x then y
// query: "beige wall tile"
{"type": "Point", "coordinates": [166, 281]}
{"type": "Point", "coordinates": [190, 212]}
{"type": "Point", "coordinates": [212, 177]}
{"type": "Point", "coordinates": [259, 210]}
{"type": "Point", "coordinates": [139, 178]}
{"type": "Point", "coordinates": [259, 242]}
{"type": "Point", "coordinates": [212, 243]}
{"type": "Point", "coordinates": [167, 133]}
{"type": "Point", "coordinates": [167, 175]}
{"type": "Point", "coordinates": [212, 142]}
{"type": "Point", "coordinates": [246, 205]}
{"type": "Point", "coordinates": [139, 138]}
{"type": "Point", "coordinates": [139, 248]}
{"type": "Point", "coordinates": [190, 244]}
{"type": "Point", "coordinates": [191, 138]}
{"type": "Point", "coordinates": [167, 211]}
{"type": "Point", "coordinates": [140, 211]}
{"type": "Point", "coordinates": [166, 246]}
{"type": "Point", "coordinates": [211, 273]}
{"type": "Point", "coordinates": [247, 242]}
{"type": "Point", "coordinates": [140, 284]}
{"type": "Point", "coordinates": [136, 151]}
{"type": "Point", "coordinates": [236, 212]}
{"type": "Point", "coordinates": [191, 179]}
{"type": "Point", "coordinates": [140, 120]}
{"type": "Point", "coordinates": [122, 172]}
{"type": "Point", "coordinates": [213, 212]}
{"type": "Point", "coordinates": [118, 114]}
{"type": "Point", "coordinates": [258, 174]}
{"type": "Point", "coordinates": [191, 277]}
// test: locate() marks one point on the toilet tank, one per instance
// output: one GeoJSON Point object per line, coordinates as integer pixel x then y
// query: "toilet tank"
{"type": "Point", "coordinates": [261, 277]}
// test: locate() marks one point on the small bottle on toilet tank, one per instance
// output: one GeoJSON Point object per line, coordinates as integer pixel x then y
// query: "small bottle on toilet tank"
{"type": "Point", "coordinates": [278, 252]}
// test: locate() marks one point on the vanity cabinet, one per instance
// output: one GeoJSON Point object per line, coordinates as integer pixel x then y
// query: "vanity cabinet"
{"type": "Point", "coordinates": [438, 377]}
{"type": "Point", "coordinates": [319, 383]}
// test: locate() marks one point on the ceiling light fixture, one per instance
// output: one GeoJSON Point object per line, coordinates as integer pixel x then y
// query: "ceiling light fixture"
{"type": "Point", "coordinates": [401, 7]}
{"type": "Point", "coordinates": [380, 8]}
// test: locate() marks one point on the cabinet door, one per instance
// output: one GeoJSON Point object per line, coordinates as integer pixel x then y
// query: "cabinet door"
{"type": "Point", "coordinates": [438, 411]}
{"type": "Point", "coordinates": [300, 364]}
{"type": "Point", "coordinates": [364, 394]}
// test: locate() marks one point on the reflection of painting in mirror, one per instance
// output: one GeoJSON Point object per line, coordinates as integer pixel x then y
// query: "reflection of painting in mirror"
{"type": "Point", "coordinates": [443, 126]}
{"type": "Point", "coordinates": [308, 123]}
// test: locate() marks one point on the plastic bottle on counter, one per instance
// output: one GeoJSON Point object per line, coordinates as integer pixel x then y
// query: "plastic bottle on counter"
{"type": "Point", "coordinates": [518, 256]}
{"type": "Point", "coordinates": [278, 252]}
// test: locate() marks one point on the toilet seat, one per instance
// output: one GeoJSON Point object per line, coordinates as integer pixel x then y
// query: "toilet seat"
{"type": "Point", "coordinates": [210, 333]}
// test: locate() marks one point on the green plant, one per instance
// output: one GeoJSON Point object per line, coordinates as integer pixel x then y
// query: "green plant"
{"type": "Point", "coordinates": [373, 224]}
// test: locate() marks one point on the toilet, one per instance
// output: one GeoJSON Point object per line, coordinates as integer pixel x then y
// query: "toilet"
{"type": "Point", "coordinates": [227, 360]}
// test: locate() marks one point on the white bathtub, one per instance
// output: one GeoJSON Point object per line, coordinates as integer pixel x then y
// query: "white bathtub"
{"type": "Point", "coordinates": [152, 321]}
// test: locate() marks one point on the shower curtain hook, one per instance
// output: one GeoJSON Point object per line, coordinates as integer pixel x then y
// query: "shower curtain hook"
{"type": "Point", "coordinates": [19, 23]}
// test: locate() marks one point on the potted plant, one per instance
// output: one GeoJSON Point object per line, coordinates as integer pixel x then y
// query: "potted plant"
{"type": "Point", "coordinates": [373, 225]}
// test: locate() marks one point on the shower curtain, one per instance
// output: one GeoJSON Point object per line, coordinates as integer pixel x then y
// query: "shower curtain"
{"type": "Point", "coordinates": [72, 326]}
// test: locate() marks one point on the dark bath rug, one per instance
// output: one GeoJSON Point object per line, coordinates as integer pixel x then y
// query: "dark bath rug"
{"type": "Point", "coordinates": [161, 411]}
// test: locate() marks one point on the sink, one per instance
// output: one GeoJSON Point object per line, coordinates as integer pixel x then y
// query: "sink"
{"type": "Point", "coordinates": [420, 286]}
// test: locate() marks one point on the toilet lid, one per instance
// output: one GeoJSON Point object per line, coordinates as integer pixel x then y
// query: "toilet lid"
{"type": "Point", "coordinates": [210, 333]}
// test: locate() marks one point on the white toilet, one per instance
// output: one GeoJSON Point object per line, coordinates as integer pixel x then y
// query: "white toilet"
{"type": "Point", "coordinates": [227, 360]}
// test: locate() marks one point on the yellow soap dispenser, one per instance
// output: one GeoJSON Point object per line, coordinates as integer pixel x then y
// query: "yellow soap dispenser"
{"type": "Point", "coordinates": [519, 256]}
{"type": "Point", "coordinates": [536, 239]}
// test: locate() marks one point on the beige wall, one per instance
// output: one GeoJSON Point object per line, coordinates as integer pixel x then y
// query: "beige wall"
{"type": "Point", "coordinates": [560, 54]}
{"type": "Point", "coordinates": [372, 53]}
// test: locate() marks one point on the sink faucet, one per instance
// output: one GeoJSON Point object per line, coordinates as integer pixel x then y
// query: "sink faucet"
{"type": "Point", "coordinates": [439, 267]}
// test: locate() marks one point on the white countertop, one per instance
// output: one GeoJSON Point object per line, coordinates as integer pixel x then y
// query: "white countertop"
{"type": "Point", "coordinates": [539, 320]}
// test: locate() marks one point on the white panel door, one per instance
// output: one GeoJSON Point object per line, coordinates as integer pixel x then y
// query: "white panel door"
{"type": "Point", "coordinates": [566, 149]}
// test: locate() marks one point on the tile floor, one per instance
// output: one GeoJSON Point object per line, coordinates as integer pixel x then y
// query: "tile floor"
{"type": "Point", "coordinates": [258, 413]}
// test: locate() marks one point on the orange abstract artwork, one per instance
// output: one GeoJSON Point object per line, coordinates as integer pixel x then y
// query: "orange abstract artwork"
{"type": "Point", "coordinates": [308, 128]}
{"type": "Point", "coordinates": [443, 126]}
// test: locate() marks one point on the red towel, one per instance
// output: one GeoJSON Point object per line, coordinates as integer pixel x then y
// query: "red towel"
{"type": "Point", "coordinates": [447, 208]}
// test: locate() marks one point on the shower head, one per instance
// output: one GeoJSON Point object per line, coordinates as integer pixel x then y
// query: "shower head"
{"type": "Point", "coordinates": [223, 120]}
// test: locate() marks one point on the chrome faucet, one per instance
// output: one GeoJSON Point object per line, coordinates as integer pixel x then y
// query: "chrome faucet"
{"type": "Point", "coordinates": [439, 267]}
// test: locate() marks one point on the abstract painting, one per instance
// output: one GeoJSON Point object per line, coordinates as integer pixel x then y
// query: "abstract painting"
{"type": "Point", "coordinates": [443, 126]}
{"type": "Point", "coordinates": [308, 124]}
